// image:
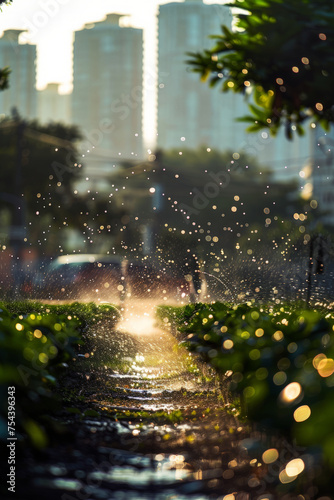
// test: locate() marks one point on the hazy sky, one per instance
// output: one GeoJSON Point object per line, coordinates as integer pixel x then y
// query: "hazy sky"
{"type": "Point", "coordinates": [51, 24]}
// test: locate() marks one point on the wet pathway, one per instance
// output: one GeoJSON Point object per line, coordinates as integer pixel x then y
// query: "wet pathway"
{"type": "Point", "coordinates": [142, 424]}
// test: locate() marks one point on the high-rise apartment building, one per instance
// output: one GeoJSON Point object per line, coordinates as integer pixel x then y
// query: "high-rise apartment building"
{"type": "Point", "coordinates": [190, 113]}
{"type": "Point", "coordinates": [53, 106]}
{"type": "Point", "coordinates": [21, 58]}
{"type": "Point", "coordinates": [318, 172]}
{"type": "Point", "coordinates": [107, 89]}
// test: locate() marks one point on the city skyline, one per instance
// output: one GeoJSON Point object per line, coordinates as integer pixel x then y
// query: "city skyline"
{"type": "Point", "coordinates": [52, 24]}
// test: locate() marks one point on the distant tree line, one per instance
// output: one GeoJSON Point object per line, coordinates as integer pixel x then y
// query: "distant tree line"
{"type": "Point", "coordinates": [40, 167]}
{"type": "Point", "coordinates": [214, 204]}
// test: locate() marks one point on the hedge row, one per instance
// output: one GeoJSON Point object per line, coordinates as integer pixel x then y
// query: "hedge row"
{"type": "Point", "coordinates": [37, 344]}
{"type": "Point", "coordinates": [278, 360]}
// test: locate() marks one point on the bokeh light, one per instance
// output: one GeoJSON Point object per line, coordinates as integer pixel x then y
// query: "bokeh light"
{"type": "Point", "coordinates": [291, 392]}
{"type": "Point", "coordinates": [302, 413]}
{"type": "Point", "coordinates": [270, 456]}
{"type": "Point", "coordinates": [294, 467]}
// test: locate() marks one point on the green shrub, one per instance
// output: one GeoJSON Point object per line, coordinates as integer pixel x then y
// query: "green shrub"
{"type": "Point", "coordinates": [280, 361]}
{"type": "Point", "coordinates": [37, 343]}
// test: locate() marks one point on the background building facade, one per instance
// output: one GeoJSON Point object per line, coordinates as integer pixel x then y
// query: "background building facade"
{"type": "Point", "coordinates": [107, 89]}
{"type": "Point", "coordinates": [189, 112]}
{"type": "Point", "coordinates": [21, 58]}
{"type": "Point", "coordinates": [320, 173]}
{"type": "Point", "coordinates": [53, 106]}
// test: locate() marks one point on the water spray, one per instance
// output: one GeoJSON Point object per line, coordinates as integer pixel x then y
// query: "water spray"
{"type": "Point", "coordinates": [220, 281]}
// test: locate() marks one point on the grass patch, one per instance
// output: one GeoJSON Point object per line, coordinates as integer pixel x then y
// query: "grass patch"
{"type": "Point", "coordinates": [38, 343]}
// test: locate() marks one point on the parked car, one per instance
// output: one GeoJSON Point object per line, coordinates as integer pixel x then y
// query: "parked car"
{"type": "Point", "coordinates": [109, 278]}
{"type": "Point", "coordinates": [80, 277]}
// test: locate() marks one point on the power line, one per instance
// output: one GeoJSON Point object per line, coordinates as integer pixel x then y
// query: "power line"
{"type": "Point", "coordinates": [49, 139]}
{"type": "Point", "coordinates": [40, 136]}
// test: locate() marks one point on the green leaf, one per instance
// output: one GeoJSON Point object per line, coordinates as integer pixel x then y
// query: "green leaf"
{"type": "Point", "coordinates": [91, 413]}
{"type": "Point", "coordinates": [36, 434]}
{"type": "Point", "coordinates": [73, 410]}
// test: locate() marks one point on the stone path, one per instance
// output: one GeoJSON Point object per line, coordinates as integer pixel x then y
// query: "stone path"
{"type": "Point", "coordinates": [141, 424]}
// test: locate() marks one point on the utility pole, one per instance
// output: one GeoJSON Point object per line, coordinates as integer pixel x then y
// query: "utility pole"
{"type": "Point", "coordinates": [309, 273]}
{"type": "Point", "coordinates": [152, 227]}
{"type": "Point", "coordinates": [18, 230]}
{"type": "Point", "coordinates": [317, 257]}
